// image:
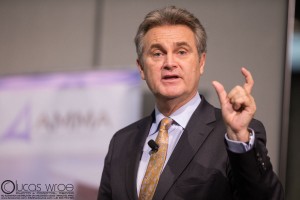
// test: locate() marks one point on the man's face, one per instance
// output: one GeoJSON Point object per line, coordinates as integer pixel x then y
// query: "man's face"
{"type": "Point", "coordinates": [170, 63]}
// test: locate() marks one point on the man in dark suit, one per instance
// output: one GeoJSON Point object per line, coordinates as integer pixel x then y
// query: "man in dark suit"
{"type": "Point", "coordinates": [211, 154]}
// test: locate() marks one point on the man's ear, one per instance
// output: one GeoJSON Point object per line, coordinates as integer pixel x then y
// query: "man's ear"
{"type": "Point", "coordinates": [202, 63]}
{"type": "Point", "coordinates": [141, 69]}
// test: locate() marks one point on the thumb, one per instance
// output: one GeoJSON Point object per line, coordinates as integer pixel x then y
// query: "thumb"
{"type": "Point", "coordinates": [222, 94]}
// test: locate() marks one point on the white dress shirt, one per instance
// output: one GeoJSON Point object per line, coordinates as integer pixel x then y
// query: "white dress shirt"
{"type": "Point", "coordinates": [180, 119]}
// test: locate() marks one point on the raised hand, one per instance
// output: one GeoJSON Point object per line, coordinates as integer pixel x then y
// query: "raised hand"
{"type": "Point", "coordinates": [238, 107]}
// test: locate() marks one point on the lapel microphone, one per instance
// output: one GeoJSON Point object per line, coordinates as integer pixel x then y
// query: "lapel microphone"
{"type": "Point", "coordinates": [154, 146]}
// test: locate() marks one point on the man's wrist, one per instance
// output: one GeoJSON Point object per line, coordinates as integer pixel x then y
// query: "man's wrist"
{"type": "Point", "coordinates": [241, 136]}
{"type": "Point", "coordinates": [238, 146]}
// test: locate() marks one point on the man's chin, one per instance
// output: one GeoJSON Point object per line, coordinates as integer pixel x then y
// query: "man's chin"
{"type": "Point", "coordinates": [169, 96]}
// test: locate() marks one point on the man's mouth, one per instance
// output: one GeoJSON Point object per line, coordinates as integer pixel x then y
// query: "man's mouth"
{"type": "Point", "coordinates": [170, 77]}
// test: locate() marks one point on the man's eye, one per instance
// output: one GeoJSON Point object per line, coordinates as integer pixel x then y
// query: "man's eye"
{"type": "Point", "coordinates": [182, 52]}
{"type": "Point", "coordinates": [157, 54]}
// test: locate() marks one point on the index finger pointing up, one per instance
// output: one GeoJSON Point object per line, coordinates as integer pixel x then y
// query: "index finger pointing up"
{"type": "Point", "coordinates": [249, 82]}
{"type": "Point", "coordinates": [221, 92]}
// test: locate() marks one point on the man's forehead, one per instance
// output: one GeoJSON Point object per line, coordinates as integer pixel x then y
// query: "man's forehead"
{"type": "Point", "coordinates": [169, 29]}
{"type": "Point", "coordinates": [177, 35]}
{"type": "Point", "coordinates": [175, 44]}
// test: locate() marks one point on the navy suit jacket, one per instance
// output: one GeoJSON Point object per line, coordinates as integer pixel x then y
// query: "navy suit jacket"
{"type": "Point", "coordinates": [200, 167]}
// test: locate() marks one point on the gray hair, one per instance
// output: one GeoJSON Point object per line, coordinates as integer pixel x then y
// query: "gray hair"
{"type": "Point", "coordinates": [170, 16]}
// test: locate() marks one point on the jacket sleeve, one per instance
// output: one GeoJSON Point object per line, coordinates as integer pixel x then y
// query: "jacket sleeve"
{"type": "Point", "coordinates": [251, 173]}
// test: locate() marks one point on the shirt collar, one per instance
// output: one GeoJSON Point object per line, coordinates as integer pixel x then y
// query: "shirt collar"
{"type": "Point", "coordinates": [181, 116]}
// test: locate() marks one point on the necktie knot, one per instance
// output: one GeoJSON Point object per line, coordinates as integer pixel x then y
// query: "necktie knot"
{"type": "Point", "coordinates": [165, 123]}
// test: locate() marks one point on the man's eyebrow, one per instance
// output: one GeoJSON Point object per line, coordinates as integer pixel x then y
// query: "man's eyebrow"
{"type": "Point", "coordinates": [156, 45]}
{"type": "Point", "coordinates": [182, 44]}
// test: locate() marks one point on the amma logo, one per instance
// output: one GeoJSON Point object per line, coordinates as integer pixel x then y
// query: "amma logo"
{"type": "Point", "coordinates": [8, 187]}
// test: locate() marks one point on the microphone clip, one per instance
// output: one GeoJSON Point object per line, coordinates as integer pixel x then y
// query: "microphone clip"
{"type": "Point", "coordinates": [154, 146]}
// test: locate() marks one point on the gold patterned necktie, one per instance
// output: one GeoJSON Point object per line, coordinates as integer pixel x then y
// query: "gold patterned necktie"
{"type": "Point", "coordinates": [156, 162]}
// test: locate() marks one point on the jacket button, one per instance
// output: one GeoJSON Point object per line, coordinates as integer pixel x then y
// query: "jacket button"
{"type": "Point", "coordinates": [259, 159]}
{"type": "Point", "coordinates": [264, 166]}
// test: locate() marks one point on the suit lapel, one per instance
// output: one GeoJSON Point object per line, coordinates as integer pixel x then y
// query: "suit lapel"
{"type": "Point", "coordinates": [134, 155]}
{"type": "Point", "coordinates": [191, 140]}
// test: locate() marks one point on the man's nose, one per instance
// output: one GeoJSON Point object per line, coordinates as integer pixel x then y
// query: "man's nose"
{"type": "Point", "coordinates": [170, 62]}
